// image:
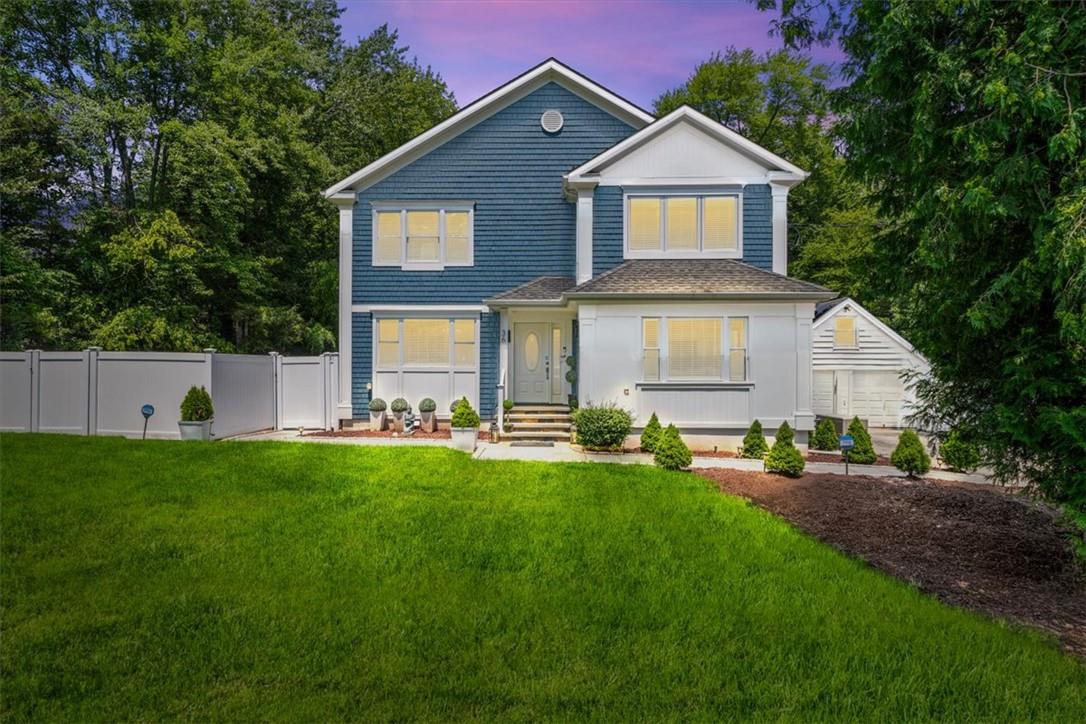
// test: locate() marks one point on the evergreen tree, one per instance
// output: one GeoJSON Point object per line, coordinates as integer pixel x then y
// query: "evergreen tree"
{"type": "Point", "coordinates": [825, 436]}
{"type": "Point", "coordinates": [784, 457]}
{"type": "Point", "coordinates": [863, 451]}
{"type": "Point", "coordinates": [909, 456]}
{"type": "Point", "coordinates": [651, 434]}
{"type": "Point", "coordinates": [671, 452]}
{"type": "Point", "coordinates": [754, 443]}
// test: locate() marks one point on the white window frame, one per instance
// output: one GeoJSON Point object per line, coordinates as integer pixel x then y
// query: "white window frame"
{"type": "Point", "coordinates": [724, 373]}
{"type": "Point", "coordinates": [664, 252]}
{"type": "Point", "coordinates": [441, 208]}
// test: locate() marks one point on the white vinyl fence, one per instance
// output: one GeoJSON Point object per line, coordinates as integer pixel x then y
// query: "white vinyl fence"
{"type": "Point", "coordinates": [101, 393]}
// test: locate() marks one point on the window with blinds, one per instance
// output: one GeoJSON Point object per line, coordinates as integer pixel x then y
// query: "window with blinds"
{"type": "Point", "coordinates": [693, 348]}
{"type": "Point", "coordinates": [737, 349]}
{"type": "Point", "coordinates": [423, 239]}
{"type": "Point", "coordinates": [844, 332]}
{"type": "Point", "coordinates": [426, 343]}
{"type": "Point", "coordinates": [650, 345]}
{"type": "Point", "coordinates": [658, 225]}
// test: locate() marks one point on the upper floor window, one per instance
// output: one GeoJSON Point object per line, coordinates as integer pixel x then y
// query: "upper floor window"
{"type": "Point", "coordinates": [844, 332]}
{"type": "Point", "coordinates": [678, 225]}
{"type": "Point", "coordinates": [423, 238]}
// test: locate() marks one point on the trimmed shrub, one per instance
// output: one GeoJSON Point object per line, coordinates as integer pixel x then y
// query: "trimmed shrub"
{"type": "Point", "coordinates": [784, 457]}
{"type": "Point", "coordinates": [825, 437]}
{"type": "Point", "coordinates": [427, 405]}
{"type": "Point", "coordinates": [754, 444]}
{"type": "Point", "coordinates": [453, 404]}
{"type": "Point", "coordinates": [959, 454]}
{"type": "Point", "coordinates": [602, 427]}
{"type": "Point", "coordinates": [378, 405]}
{"type": "Point", "coordinates": [863, 451]}
{"type": "Point", "coordinates": [909, 456]}
{"type": "Point", "coordinates": [197, 407]}
{"type": "Point", "coordinates": [650, 436]}
{"type": "Point", "coordinates": [507, 405]}
{"type": "Point", "coordinates": [399, 405]}
{"type": "Point", "coordinates": [465, 415]}
{"type": "Point", "coordinates": [671, 452]}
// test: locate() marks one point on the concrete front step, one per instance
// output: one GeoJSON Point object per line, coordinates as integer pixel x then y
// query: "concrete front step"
{"type": "Point", "coordinates": [557, 409]}
{"type": "Point", "coordinates": [541, 417]}
{"type": "Point", "coordinates": [541, 425]}
{"type": "Point", "coordinates": [537, 434]}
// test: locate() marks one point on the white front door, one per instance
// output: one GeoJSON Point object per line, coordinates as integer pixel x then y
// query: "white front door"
{"type": "Point", "coordinates": [532, 361]}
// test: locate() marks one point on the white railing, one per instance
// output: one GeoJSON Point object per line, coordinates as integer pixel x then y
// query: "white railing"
{"type": "Point", "coordinates": [501, 402]}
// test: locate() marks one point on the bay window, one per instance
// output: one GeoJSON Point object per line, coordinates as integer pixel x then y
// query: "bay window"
{"type": "Point", "coordinates": [423, 238]}
{"type": "Point", "coordinates": [683, 225]}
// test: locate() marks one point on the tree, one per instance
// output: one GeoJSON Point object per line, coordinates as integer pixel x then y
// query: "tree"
{"type": "Point", "coordinates": [863, 451]}
{"type": "Point", "coordinates": [781, 101]}
{"type": "Point", "coordinates": [909, 456]}
{"type": "Point", "coordinates": [825, 436]}
{"type": "Point", "coordinates": [968, 119]}
{"type": "Point", "coordinates": [650, 436]}
{"type": "Point", "coordinates": [671, 452]}
{"type": "Point", "coordinates": [754, 443]}
{"type": "Point", "coordinates": [784, 457]}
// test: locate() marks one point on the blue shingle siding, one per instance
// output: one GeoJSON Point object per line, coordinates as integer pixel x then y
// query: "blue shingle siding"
{"type": "Point", "coordinates": [758, 226]}
{"type": "Point", "coordinates": [488, 366]}
{"type": "Point", "coordinates": [512, 170]}
{"type": "Point", "coordinates": [607, 227]}
{"type": "Point", "coordinates": [361, 362]}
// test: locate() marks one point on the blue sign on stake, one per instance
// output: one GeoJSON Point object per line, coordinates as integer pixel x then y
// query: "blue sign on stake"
{"type": "Point", "coordinates": [847, 443]}
{"type": "Point", "coordinates": [147, 411]}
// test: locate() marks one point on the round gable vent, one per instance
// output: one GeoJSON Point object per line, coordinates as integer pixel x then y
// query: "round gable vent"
{"type": "Point", "coordinates": [551, 121]}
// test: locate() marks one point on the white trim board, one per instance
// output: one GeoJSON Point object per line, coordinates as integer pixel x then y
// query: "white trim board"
{"type": "Point", "coordinates": [436, 308]}
{"type": "Point", "coordinates": [547, 71]}
{"type": "Point", "coordinates": [858, 308]}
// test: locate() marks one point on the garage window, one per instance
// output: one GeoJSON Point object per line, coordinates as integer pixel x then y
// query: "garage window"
{"type": "Point", "coordinates": [844, 332]}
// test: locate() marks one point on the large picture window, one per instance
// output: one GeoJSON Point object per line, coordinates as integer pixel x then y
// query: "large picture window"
{"type": "Point", "coordinates": [678, 225]}
{"type": "Point", "coordinates": [416, 342]}
{"type": "Point", "coordinates": [696, 349]}
{"type": "Point", "coordinates": [423, 238]}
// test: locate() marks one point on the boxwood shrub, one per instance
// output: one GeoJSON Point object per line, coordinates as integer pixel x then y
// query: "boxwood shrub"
{"type": "Point", "coordinates": [602, 427]}
{"type": "Point", "coordinates": [427, 405]}
{"type": "Point", "coordinates": [378, 405]}
{"type": "Point", "coordinates": [400, 405]}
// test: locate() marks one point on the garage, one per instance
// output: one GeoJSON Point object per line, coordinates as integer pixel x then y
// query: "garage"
{"type": "Point", "coordinates": [860, 366]}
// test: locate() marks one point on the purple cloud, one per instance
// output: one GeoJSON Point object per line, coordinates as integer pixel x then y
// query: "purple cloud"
{"type": "Point", "coordinates": [639, 48]}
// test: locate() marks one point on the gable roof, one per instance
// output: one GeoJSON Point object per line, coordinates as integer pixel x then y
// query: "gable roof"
{"type": "Point", "coordinates": [828, 310]}
{"type": "Point", "coordinates": [550, 70]}
{"type": "Point", "coordinates": [778, 167]}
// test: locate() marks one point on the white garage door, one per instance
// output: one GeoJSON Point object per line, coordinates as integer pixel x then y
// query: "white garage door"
{"type": "Point", "coordinates": [878, 398]}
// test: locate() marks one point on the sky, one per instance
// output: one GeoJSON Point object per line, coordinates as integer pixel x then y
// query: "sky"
{"type": "Point", "coordinates": [636, 48]}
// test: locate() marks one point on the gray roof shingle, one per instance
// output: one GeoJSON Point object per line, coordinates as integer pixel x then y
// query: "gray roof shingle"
{"type": "Point", "coordinates": [694, 277]}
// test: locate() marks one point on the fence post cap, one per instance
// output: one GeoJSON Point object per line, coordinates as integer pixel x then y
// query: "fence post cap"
{"type": "Point", "coordinates": [93, 349]}
{"type": "Point", "coordinates": [210, 350]}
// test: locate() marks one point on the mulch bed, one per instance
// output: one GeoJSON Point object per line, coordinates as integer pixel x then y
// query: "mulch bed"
{"type": "Point", "coordinates": [827, 457]}
{"type": "Point", "coordinates": [969, 545]}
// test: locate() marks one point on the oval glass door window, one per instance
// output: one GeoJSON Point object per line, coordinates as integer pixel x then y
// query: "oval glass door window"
{"type": "Point", "coordinates": [531, 351]}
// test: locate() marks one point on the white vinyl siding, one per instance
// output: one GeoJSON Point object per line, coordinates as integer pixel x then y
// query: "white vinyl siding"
{"type": "Point", "coordinates": [422, 238]}
{"type": "Point", "coordinates": [677, 225]}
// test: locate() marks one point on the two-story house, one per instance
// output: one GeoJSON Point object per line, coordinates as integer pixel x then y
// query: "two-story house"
{"type": "Point", "coordinates": [553, 222]}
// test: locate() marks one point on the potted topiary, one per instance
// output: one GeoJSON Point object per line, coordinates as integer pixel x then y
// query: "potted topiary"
{"type": "Point", "coordinates": [909, 456]}
{"type": "Point", "coordinates": [378, 420]}
{"type": "Point", "coordinates": [429, 419]}
{"type": "Point", "coordinates": [465, 426]}
{"type": "Point", "coordinates": [399, 406]}
{"type": "Point", "coordinates": [197, 414]}
{"type": "Point", "coordinates": [783, 457]}
{"type": "Point", "coordinates": [507, 405]}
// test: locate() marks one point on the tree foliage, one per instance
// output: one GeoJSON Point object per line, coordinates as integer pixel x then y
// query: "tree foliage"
{"type": "Point", "coordinates": [825, 436]}
{"type": "Point", "coordinates": [909, 456]}
{"type": "Point", "coordinates": [161, 167]}
{"type": "Point", "coordinates": [650, 436]}
{"type": "Point", "coordinates": [784, 457]}
{"type": "Point", "coordinates": [671, 452]}
{"type": "Point", "coordinates": [863, 451]}
{"type": "Point", "coordinates": [754, 442]}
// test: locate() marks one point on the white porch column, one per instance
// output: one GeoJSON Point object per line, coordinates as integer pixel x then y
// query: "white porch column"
{"type": "Point", "coordinates": [804, 373]}
{"type": "Point", "coordinates": [345, 202]}
{"type": "Point", "coordinates": [780, 228]}
{"type": "Point", "coordinates": [503, 365]}
{"type": "Point", "coordinates": [584, 232]}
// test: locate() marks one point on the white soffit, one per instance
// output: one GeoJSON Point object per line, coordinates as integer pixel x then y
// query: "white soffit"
{"type": "Point", "coordinates": [481, 109]}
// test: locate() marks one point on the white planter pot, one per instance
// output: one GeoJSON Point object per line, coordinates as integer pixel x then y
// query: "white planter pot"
{"type": "Point", "coordinates": [464, 438]}
{"type": "Point", "coordinates": [195, 430]}
{"type": "Point", "coordinates": [377, 420]}
{"type": "Point", "coordinates": [428, 421]}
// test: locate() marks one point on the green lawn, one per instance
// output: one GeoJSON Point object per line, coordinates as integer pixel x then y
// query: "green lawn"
{"type": "Point", "coordinates": [236, 581]}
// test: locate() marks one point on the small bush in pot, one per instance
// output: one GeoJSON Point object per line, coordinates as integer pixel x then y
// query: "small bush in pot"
{"type": "Point", "coordinates": [465, 426]}
{"type": "Point", "coordinates": [958, 453]}
{"type": "Point", "coordinates": [378, 421]}
{"type": "Point", "coordinates": [862, 451]}
{"type": "Point", "coordinates": [754, 444]}
{"type": "Point", "coordinates": [784, 457]}
{"type": "Point", "coordinates": [399, 406]}
{"type": "Point", "coordinates": [507, 405]}
{"type": "Point", "coordinates": [427, 408]}
{"type": "Point", "coordinates": [909, 456]}
{"type": "Point", "coordinates": [671, 452]}
{"type": "Point", "coordinates": [650, 436]}
{"type": "Point", "coordinates": [825, 436]}
{"type": "Point", "coordinates": [602, 427]}
{"type": "Point", "coordinates": [197, 414]}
